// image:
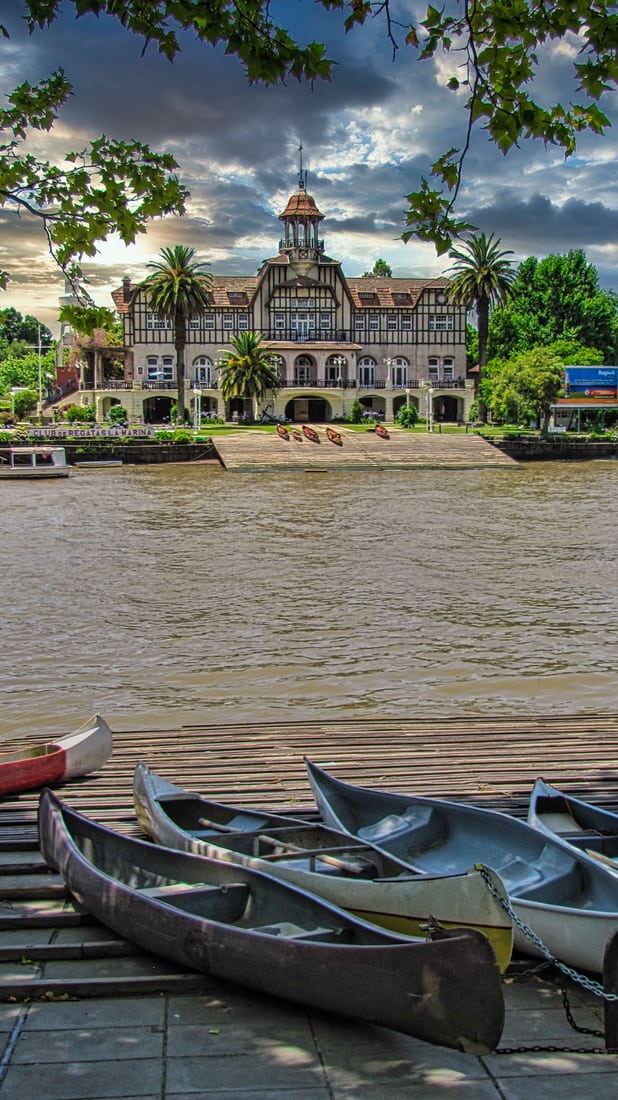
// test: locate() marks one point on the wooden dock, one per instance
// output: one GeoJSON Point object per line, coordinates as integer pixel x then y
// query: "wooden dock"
{"type": "Point", "coordinates": [49, 948]}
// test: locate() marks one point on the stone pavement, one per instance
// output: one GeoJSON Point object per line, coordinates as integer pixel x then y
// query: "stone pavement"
{"type": "Point", "coordinates": [233, 1044]}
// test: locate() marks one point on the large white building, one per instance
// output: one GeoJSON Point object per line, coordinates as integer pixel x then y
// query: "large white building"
{"type": "Point", "coordinates": [384, 341]}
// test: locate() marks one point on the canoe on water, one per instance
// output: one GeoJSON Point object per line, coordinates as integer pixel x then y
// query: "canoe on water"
{"type": "Point", "coordinates": [568, 900]}
{"type": "Point", "coordinates": [349, 873]}
{"type": "Point", "coordinates": [237, 924]}
{"type": "Point", "coordinates": [588, 828]}
{"type": "Point", "coordinates": [36, 765]}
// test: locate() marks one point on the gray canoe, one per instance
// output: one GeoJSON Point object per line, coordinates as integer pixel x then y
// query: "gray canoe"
{"type": "Point", "coordinates": [237, 924]}
{"type": "Point", "coordinates": [349, 873]}
{"type": "Point", "coordinates": [586, 827]}
{"type": "Point", "coordinates": [568, 899]}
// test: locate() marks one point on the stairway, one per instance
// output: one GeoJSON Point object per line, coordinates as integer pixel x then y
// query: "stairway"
{"type": "Point", "coordinates": [254, 451]}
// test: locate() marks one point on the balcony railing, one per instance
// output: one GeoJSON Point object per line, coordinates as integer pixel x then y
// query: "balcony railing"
{"type": "Point", "coordinates": [291, 383]}
{"type": "Point", "coordinates": [318, 383]}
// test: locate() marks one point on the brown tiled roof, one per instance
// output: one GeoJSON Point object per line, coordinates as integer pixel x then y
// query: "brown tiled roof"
{"type": "Point", "coordinates": [300, 204]}
{"type": "Point", "coordinates": [386, 293]}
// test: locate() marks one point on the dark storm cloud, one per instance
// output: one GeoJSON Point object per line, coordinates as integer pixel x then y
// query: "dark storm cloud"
{"type": "Point", "coordinates": [541, 226]}
{"type": "Point", "coordinates": [369, 136]}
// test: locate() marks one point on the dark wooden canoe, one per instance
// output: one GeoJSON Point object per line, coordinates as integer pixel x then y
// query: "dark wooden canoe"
{"type": "Point", "coordinates": [382, 432]}
{"type": "Point", "coordinates": [298, 435]}
{"type": "Point", "coordinates": [36, 765]}
{"type": "Point", "coordinates": [347, 872]}
{"type": "Point", "coordinates": [311, 434]}
{"type": "Point", "coordinates": [282, 431]}
{"type": "Point", "coordinates": [246, 927]}
{"type": "Point", "coordinates": [334, 436]}
{"type": "Point", "coordinates": [569, 900]}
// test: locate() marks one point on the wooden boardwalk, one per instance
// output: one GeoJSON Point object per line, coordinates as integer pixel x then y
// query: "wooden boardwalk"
{"type": "Point", "coordinates": [248, 451]}
{"type": "Point", "coordinates": [49, 948]}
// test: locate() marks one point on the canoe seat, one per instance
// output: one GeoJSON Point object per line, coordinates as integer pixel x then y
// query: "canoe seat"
{"type": "Point", "coordinates": [561, 823]}
{"type": "Point", "coordinates": [226, 902]}
{"type": "Point", "coordinates": [559, 878]}
{"type": "Point", "coordinates": [289, 931]}
{"type": "Point", "coordinates": [421, 825]}
{"type": "Point", "coordinates": [174, 888]}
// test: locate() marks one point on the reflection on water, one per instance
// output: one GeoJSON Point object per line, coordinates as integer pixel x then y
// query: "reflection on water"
{"type": "Point", "coordinates": [184, 593]}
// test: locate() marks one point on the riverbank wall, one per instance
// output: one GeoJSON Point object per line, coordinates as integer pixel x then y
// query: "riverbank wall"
{"type": "Point", "coordinates": [137, 452]}
{"type": "Point", "coordinates": [556, 449]}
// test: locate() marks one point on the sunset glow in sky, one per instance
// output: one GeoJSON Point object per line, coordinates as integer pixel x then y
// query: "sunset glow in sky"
{"type": "Point", "coordinates": [368, 137]}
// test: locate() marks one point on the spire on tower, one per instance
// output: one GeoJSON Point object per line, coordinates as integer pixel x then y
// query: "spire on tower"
{"type": "Point", "coordinates": [302, 177]}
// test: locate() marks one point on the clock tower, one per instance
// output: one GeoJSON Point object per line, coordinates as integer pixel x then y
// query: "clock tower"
{"type": "Point", "coordinates": [301, 219]}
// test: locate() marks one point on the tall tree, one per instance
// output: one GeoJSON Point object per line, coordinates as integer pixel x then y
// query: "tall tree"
{"type": "Point", "coordinates": [557, 298]}
{"type": "Point", "coordinates": [482, 276]}
{"type": "Point", "coordinates": [248, 371]}
{"type": "Point", "coordinates": [178, 289]}
{"type": "Point", "coordinates": [380, 270]}
{"type": "Point", "coordinates": [500, 50]}
{"type": "Point", "coordinates": [527, 385]}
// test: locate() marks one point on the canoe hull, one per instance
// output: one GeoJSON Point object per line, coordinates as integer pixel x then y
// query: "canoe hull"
{"type": "Point", "coordinates": [586, 827]}
{"type": "Point", "coordinates": [567, 899]}
{"type": "Point", "coordinates": [84, 751]}
{"type": "Point", "coordinates": [403, 905]}
{"type": "Point", "coordinates": [447, 991]}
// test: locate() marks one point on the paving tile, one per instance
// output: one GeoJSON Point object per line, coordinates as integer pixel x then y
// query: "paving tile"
{"type": "Point", "coordinates": [584, 1086]}
{"type": "Point", "coordinates": [422, 1089]}
{"type": "Point", "coordinates": [112, 1080]}
{"type": "Point", "coordinates": [88, 1044]}
{"type": "Point", "coordinates": [559, 1064]}
{"type": "Point", "coordinates": [279, 1067]}
{"type": "Point", "coordinates": [95, 1014]}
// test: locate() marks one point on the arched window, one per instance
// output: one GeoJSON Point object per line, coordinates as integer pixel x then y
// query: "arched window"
{"type": "Point", "coordinates": [335, 366]}
{"type": "Point", "coordinates": [302, 370]}
{"type": "Point", "coordinates": [448, 369]}
{"type": "Point", "coordinates": [366, 371]}
{"type": "Point", "coordinates": [434, 366]}
{"type": "Point", "coordinates": [400, 371]}
{"type": "Point", "coordinates": [202, 368]}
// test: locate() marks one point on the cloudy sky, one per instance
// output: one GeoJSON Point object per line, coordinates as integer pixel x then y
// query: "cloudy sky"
{"type": "Point", "coordinates": [368, 137]}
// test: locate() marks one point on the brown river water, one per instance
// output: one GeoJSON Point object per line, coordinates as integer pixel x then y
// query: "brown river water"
{"type": "Point", "coordinates": [166, 594]}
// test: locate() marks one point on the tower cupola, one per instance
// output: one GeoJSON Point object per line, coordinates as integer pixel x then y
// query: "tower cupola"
{"type": "Point", "coordinates": [301, 219]}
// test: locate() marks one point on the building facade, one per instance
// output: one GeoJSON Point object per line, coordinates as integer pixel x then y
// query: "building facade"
{"type": "Point", "coordinates": [384, 341]}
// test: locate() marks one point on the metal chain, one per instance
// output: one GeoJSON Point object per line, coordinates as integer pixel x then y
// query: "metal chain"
{"type": "Point", "coordinates": [580, 979]}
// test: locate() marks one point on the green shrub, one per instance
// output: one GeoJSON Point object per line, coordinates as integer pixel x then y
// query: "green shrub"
{"type": "Point", "coordinates": [407, 416]}
{"type": "Point", "coordinates": [356, 412]}
{"type": "Point", "coordinates": [80, 414]}
{"type": "Point", "coordinates": [6, 437]}
{"type": "Point", "coordinates": [117, 415]}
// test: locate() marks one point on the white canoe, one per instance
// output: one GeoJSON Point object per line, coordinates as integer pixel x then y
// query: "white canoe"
{"type": "Point", "coordinates": [351, 874]}
{"type": "Point", "coordinates": [567, 899]}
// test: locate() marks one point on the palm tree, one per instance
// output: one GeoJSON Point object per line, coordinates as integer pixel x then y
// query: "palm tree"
{"type": "Point", "coordinates": [248, 371]}
{"type": "Point", "coordinates": [482, 276]}
{"type": "Point", "coordinates": [178, 289]}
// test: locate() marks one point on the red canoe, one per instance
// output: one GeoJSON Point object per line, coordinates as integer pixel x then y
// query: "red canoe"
{"type": "Point", "coordinates": [282, 431]}
{"type": "Point", "coordinates": [382, 431]}
{"type": "Point", "coordinates": [37, 765]}
{"type": "Point", "coordinates": [311, 433]}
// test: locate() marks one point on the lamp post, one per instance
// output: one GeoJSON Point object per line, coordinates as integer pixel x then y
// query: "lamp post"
{"type": "Point", "coordinates": [339, 361]}
{"type": "Point", "coordinates": [197, 409]}
{"type": "Point", "coordinates": [427, 386]}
